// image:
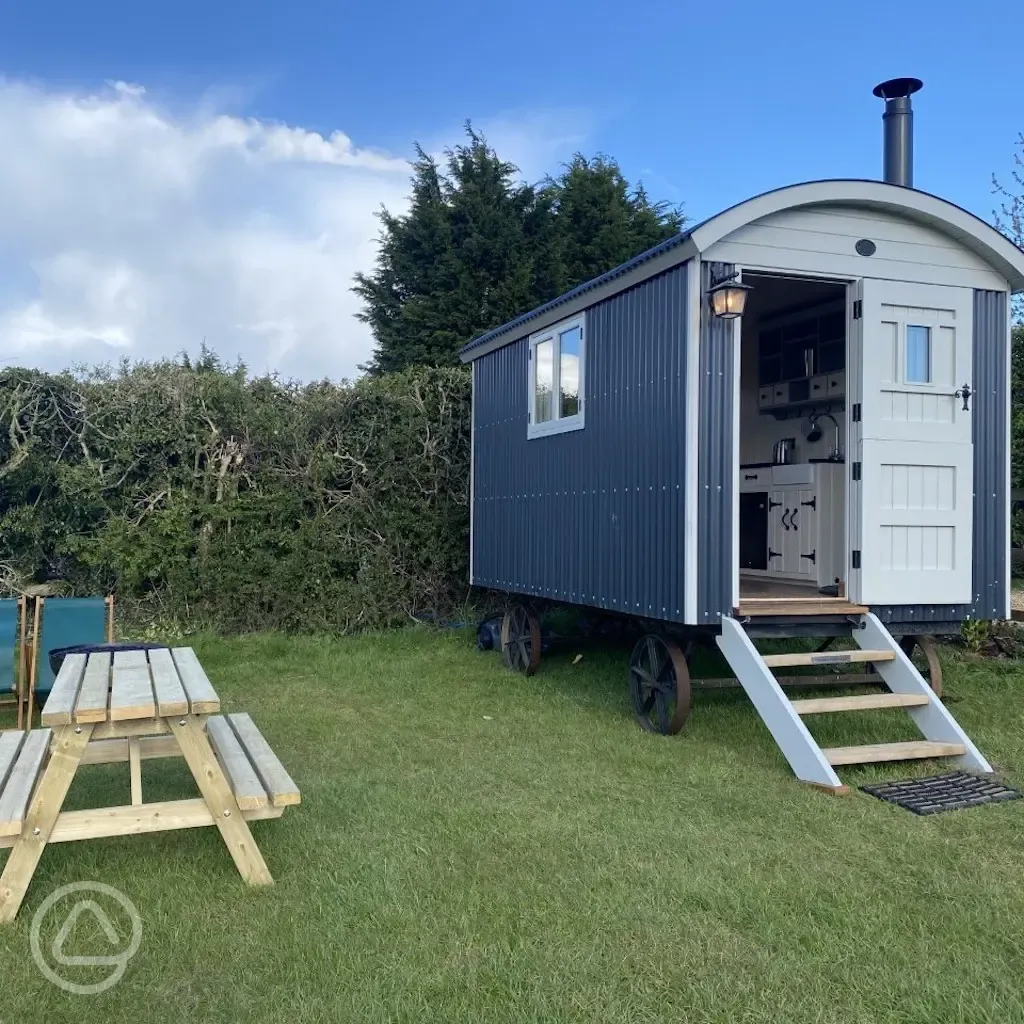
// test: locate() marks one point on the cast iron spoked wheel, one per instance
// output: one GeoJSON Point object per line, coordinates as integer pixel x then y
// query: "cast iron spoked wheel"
{"type": "Point", "coordinates": [921, 651]}
{"type": "Point", "coordinates": [520, 640]}
{"type": "Point", "coordinates": [659, 685]}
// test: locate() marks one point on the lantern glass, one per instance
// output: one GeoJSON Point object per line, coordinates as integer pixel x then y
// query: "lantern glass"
{"type": "Point", "coordinates": [728, 300]}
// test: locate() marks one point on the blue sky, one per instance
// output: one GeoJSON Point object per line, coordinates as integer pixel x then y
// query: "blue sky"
{"type": "Point", "coordinates": [707, 103]}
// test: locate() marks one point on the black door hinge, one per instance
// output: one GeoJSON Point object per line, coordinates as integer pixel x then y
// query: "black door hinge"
{"type": "Point", "coordinates": [774, 554]}
{"type": "Point", "coordinates": [813, 503]}
{"type": "Point", "coordinates": [812, 557]}
{"type": "Point", "coordinates": [855, 471]}
{"type": "Point", "coordinates": [858, 308]}
{"type": "Point", "coordinates": [855, 559]}
{"type": "Point", "coordinates": [855, 413]}
{"type": "Point", "coordinates": [773, 504]}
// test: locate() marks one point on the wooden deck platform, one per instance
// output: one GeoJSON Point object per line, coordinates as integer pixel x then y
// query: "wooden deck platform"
{"type": "Point", "coordinates": [764, 597]}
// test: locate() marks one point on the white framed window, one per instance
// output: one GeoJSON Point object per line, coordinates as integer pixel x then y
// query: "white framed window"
{"type": "Point", "coordinates": [557, 364]}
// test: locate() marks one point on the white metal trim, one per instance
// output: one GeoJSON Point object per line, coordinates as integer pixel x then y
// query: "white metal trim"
{"type": "Point", "coordinates": [694, 312]}
{"type": "Point", "coordinates": [736, 394]}
{"type": "Point", "coordinates": [1008, 564]}
{"type": "Point", "coordinates": [558, 425]}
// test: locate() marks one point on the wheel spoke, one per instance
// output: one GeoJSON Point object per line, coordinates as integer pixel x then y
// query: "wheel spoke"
{"type": "Point", "coordinates": [661, 709]}
{"type": "Point", "coordinates": [653, 657]}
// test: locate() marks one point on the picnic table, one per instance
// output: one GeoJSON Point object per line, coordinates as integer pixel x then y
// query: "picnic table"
{"type": "Point", "coordinates": [132, 705]}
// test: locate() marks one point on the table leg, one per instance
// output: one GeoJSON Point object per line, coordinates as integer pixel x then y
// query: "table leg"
{"type": "Point", "coordinates": [65, 756]}
{"type": "Point", "coordinates": [135, 769]}
{"type": "Point", "coordinates": [205, 768]}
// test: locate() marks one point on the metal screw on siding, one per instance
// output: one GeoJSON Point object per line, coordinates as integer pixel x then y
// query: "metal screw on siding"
{"type": "Point", "coordinates": [182, 722]}
{"type": "Point", "coordinates": [78, 729]}
{"type": "Point", "coordinates": [37, 831]}
{"type": "Point", "coordinates": [227, 814]}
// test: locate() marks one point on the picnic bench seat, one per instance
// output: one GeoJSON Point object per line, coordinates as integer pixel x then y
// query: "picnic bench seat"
{"type": "Point", "coordinates": [22, 755]}
{"type": "Point", "coordinates": [256, 776]}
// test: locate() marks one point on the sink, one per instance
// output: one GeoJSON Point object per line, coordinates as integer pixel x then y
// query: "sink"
{"type": "Point", "coordinates": [793, 473]}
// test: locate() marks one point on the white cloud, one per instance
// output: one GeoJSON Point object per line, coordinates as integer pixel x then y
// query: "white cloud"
{"type": "Point", "coordinates": [130, 230]}
{"type": "Point", "coordinates": [126, 230]}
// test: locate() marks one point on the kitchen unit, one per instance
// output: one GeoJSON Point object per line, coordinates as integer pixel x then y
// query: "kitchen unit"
{"type": "Point", "coordinates": [801, 358]}
{"type": "Point", "coordinates": [792, 522]}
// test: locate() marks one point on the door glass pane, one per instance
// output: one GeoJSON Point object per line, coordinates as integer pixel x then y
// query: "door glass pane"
{"type": "Point", "coordinates": [569, 371]}
{"type": "Point", "coordinates": [544, 382]}
{"type": "Point", "coordinates": [919, 355]}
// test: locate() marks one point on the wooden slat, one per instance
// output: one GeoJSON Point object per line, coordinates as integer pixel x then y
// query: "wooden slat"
{"type": "Point", "coordinates": [873, 752]}
{"type": "Point", "coordinates": [860, 702]}
{"type": "Point", "coordinates": [825, 658]}
{"type": "Point", "coordinates": [811, 606]}
{"type": "Point", "coordinates": [202, 697]}
{"type": "Point", "coordinates": [116, 751]}
{"type": "Point", "coordinates": [95, 693]}
{"type": "Point", "coordinates": [245, 784]}
{"type": "Point", "coordinates": [60, 704]}
{"type": "Point", "coordinates": [16, 793]}
{"type": "Point", "coordinates": [132, 727]}
{"type": "Point", "coordinates": [131, 689]}
{"type": "Point", "coordinates": [10, 744]}
{"type": "Point", "coordinates": [170, 694]}
{"type": "Point", "coordinates": [100, 823]}
{"type": "Point", "coordinates": [276, 780]}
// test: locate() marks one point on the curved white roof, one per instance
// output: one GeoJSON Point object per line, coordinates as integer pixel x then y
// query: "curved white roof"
{"type": "Point", "coordinates": [996, 249]}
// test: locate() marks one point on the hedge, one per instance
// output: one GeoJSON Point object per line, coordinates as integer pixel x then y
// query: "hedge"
{"type": "Point", "coordinates": [201, 495]}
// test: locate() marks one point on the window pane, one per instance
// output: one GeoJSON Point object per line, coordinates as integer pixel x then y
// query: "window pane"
{"type": "Point", "coordinates": [569, 372]}
{"type": "Point", "coordinates": [543, 405]}
{"type": "Point", "coordinates": [919, 355]}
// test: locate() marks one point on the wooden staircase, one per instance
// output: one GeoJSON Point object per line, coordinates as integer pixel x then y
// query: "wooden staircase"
{"type": "Point", "coordinates": [907, 690]}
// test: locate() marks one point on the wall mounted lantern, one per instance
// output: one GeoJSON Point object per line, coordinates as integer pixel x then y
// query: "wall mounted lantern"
{"type": "Point", "coordinates": [728, 296]}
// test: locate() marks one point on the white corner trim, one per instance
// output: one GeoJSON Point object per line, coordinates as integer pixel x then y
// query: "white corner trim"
{"type": "Point", "coordinates": [692, 453]}
{"type": "Point", "coordinates": [1008, 568]}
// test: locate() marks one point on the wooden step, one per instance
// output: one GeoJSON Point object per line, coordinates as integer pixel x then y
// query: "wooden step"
{"type": "Point", "coordinates": [891, 752]}
{"type": "Point", "coordinates": [813, 606]}
{"type": "Point", "coordinates": [860, 702]}
{"type": "Point", "coordinates": [826, 658]}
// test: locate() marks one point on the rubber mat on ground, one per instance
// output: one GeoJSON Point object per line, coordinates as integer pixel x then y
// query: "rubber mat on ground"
{"type": "Point", "coordinates": [951, 791]}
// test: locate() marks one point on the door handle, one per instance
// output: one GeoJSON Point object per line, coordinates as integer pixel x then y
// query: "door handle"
{"type": "Point", "coordinates": [965, 393]}
{"type": "Point", "coordinates": [792, 518]}
{"type": "Point", "coordinates": [785, 525]}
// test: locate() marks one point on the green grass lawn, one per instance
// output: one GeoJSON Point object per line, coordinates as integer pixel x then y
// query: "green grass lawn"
{"type": "Point", "coordinates": [477, 846]}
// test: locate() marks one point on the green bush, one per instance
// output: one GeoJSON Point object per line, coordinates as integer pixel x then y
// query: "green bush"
{"type": "Point", "coordinates": [199, 494]}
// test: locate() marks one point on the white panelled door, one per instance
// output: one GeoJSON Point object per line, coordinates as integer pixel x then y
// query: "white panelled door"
{"type": "Point", "coordinates": [915, 449]}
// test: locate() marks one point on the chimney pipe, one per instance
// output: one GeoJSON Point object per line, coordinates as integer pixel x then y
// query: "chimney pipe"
{"type": "Point", "coordinates": [898, 126]}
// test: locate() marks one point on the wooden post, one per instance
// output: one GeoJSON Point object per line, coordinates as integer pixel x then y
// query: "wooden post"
{"type": "Point", "coordinates": [202, 762]}
{"type": "Point", "coordinates": [135, 769]}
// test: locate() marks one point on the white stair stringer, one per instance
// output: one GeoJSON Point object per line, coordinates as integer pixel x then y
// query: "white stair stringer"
{"type": "Point", "coordinates": [900, 676]}
{"type": "Point", "coordinates": [798, 746]}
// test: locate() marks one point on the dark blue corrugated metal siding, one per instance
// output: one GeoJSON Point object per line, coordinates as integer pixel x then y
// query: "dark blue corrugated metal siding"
{"type": "Point", "coordinates": [991, 486]}
{"type": "Point", "coordinates": [594, 516]}
{"type": "Point", "coordinates": [715, 472]}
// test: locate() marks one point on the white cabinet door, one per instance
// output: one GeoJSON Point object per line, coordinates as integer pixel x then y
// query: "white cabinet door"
{"type": "Point", "coordinates": [911, 352]}
{"type": "Point", "coordinates": [776, 533]}
{"type": "Point", "coordinates": [804, 520]}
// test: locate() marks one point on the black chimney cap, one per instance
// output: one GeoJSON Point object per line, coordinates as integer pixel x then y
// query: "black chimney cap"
{"type": "Point", "coordinates": [897, 87]}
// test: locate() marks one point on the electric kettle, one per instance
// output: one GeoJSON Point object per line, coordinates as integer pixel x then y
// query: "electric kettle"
{"type": "Point", "coordinates": [783, 451]}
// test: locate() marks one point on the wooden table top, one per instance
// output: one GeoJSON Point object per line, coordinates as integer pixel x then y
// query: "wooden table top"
{"type": "Point", "coordinates": [129, 686]}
